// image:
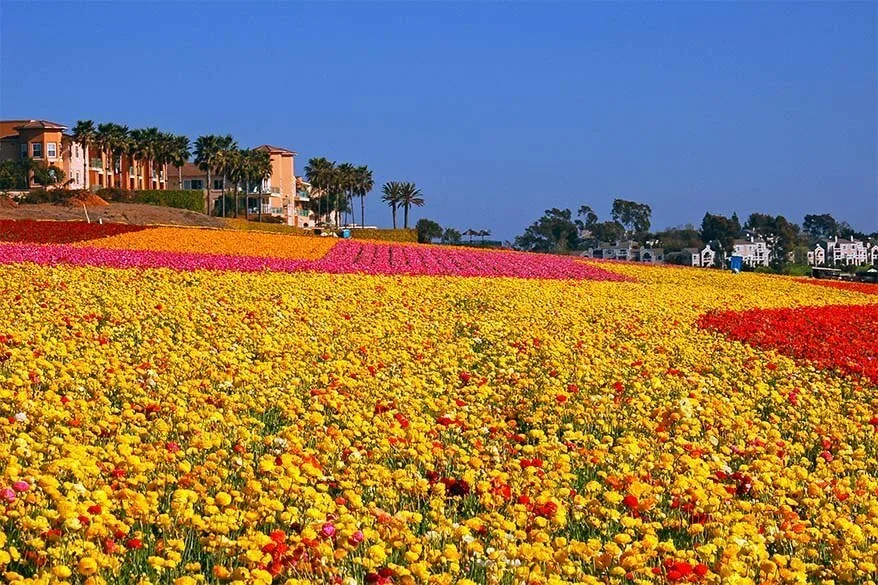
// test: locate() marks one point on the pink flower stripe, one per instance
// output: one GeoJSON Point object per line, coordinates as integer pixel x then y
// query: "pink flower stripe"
{"type": "Point", "coordinates": [347, 257]}
{"type": "Point", "coordinates": [381, 258]}
{"type": "Point", "coordinates": [112, 258]}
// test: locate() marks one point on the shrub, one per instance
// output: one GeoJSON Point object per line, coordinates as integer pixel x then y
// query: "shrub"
{"type": "Point", "coordinates": [51, 195]}
{"type": "Point", "coordinates": [401, 235]}
{"type": "Point", "coordinates": [180, 199]}
{"type": "Point", "coordinates": [275, 228]}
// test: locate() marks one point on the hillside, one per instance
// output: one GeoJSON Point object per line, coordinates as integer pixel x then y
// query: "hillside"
{"type": "Point", "coordinates": [130, 213]}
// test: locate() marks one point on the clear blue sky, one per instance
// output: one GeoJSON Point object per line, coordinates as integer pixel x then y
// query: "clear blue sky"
{"type": "Point", "coordinates": [496, 110]}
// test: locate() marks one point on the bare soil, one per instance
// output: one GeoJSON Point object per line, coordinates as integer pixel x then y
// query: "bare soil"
{"type": "Point", "coordinates": [130, 213]}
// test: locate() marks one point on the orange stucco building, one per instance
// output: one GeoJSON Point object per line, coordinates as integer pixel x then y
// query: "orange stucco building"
{"type": "Point", "coordinates": [48, 143]}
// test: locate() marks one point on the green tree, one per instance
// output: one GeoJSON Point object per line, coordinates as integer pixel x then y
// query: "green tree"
{"type": "Point", "coordinates": [450, 236]}
{"type": "Point", "coordinates": [206, 151]}
{"type": "Point", "coordinates": [85, 133]}
{"type": "Point", "coordinates": [409, 195]}
{"type": "Point", "coordinates": [391, 195]}
{"type": "Point", "coordinates": [363, 185]}
{"type": "Point", "coordinates": [258, 170]}
{"type": "Point", "coordinates": [321, 173]}
{"type": "Point", "coordinates": [178, 154]}
{"type": "Point", "coordinates": [607, 231]}
{"type": "Point", "coordinates": [47, 175]}
{"type": "Point", "coordinates": [719, 231]}
{"type": "Point", "coordinates": [821, 226]}
{"type": "Point", "coordinates": [555, 231]}
{"type": "Point", "coordinates": [634, 217]}
{"type": "Point", "coordinates": [428, 230]}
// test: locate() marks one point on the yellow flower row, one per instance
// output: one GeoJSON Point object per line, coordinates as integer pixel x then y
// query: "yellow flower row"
{"type": "Point", "coordinates": [206, 241]}
{"type": "Point", "coordinates": [225, 427]}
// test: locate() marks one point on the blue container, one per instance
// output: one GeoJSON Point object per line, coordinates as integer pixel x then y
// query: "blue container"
{"type": "Point", "coordinates": [736, 263]}
{"type": "Point", "coordinates": [346, 234]}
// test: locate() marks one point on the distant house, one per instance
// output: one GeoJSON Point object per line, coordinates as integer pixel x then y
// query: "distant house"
{"type": "Point", "coordinates": [628, 250]}
{"type": "Point", "coordinates": [817, 256]}
{"type": "Point", "coordinates": [873, 254]}
{"type": "Point", "coordinates": [753, 251]}
{"type": "Point", "coordinates": [846, 252]}
{"type": "Point", "coordinates": [652, 255]}
{"type": "Point", "coordinates": [282, 194]}
{"type": "Point", "coordinates": [695, 257]}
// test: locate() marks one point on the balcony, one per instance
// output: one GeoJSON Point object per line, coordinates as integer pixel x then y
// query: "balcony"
{"type": "Point", "coordinates": [95, 164]}
{"type": "Point", "coordinates": [275, 190]}
{"type": "Point", "coordinates": [302, 196]}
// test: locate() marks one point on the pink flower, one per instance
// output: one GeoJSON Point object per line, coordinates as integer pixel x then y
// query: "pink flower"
{"type": "Point", "coordinates": [328, 530]}
{"type": "Point", "coordinates": [356, 538]}
{"type": "Point", "coordinates": [7, 494]}
{"type": "Point", "coordinates": [21, 486]}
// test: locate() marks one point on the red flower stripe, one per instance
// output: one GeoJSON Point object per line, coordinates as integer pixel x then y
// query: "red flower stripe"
{"type": "Point", "coordinates": [59, 232]}
{"type": "Point", "coordinates": [843, 337]}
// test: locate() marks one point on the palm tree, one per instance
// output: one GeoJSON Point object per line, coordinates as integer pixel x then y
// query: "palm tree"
{"type": "Point", "coordinates": [237, 171]}
{"type": "Point", "coordinates": [112, 139]}
{"type": "Point", "coordinates": [363, 184]}
{"type": "Point", "coordinates": [224, 158]}
{"type": "Point", "coordinates": [409, 195]}
{"type": "Point", "coordinates": [258, 170]}
{"type": "Point", "coordinates": [391, 195]}
{"type": "Point", "coordinates": [206, 149]}
{"type": "Point", "coordinates": [320, 172]}
{"type": "Point", "coordinates": [346, 176]}
{"type": "Point", "coordinates": [85, 134]}
{"type": "Point", "coordinates": [178, 154]}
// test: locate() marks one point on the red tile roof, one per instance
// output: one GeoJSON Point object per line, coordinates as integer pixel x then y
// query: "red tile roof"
{"type": "Point", "coordinates": [40, 124]}
{"type": "Point", "coordinates": [275, 149]}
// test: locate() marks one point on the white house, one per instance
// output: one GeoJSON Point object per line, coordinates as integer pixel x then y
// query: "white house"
{"type": "Point", "coordinates": [873, 254]}
{"type": "Point", "coordinates": [628, 250]}
{"type": "Point", "coordinates": [754, 251]}
{"type": "Point", "coordinates": [652, 255]}
{"type": "Point", "coordinates": [846, 252]}
{"type": "Point", "coordinates": [695, 257]}
{"type": "Point", "coordinates": [817, 256]}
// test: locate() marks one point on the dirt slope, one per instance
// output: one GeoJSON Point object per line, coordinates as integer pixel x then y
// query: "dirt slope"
{"type": "Point", "coordinates": [131, 213]}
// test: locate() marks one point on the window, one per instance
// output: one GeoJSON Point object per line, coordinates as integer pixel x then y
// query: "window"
{"type": "Point", "coordinates": [77, 178]}
{"type": "Point", "coordinates": [37, 150]}
{"type": "Point", "coordinates": [24, 150]}
{"type": "Point", "coordinates": [217, 184]}
{"type": "Point", "coordinates": [195, 184]}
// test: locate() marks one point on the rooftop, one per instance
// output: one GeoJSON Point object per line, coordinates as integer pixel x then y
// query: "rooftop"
{"type": "Point", "coordinates": [275, 149]}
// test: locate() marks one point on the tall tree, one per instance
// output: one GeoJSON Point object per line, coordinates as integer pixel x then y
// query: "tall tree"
{"type": "Point", "coordinates": [555, 231]}
{"type": "Point", "coordinates": [346, 178]}
{"type": "Point", "coordinates": [409, 195]}
{"type": "Point", "coordinates": [391, 195]}
{"type": "Point", "coordinates": [634, 217]}
{"type": "Point", "coordinates": [363, 184]}
{"type": "Point", "coordinates": [451, 236]}
{"type": "Point", "coordinates": [321, 173]}
{"type": "Point", "coordinates": [258, 171]}
{"type": "Point", "coordinates": [85, 134]}
{"type": "Point", "coordinates": [720, 231]}
{"type": "Point", "coordinates": [206, 149]}
{"type": "Point", "coordinates": [428, 230]}
{"type": "Point", "coordinates": [178, 154]}
{"type": "Point", "coordinates": [820, 227]}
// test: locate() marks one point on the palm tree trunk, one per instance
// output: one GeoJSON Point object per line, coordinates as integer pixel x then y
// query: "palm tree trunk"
{"type": "Point", "coordinates": [393, 213]}
{"type": "Point", "coordinates": [362, 211]}
{"type": "Point", "coordinates": [208, 190]}
{"type": "Point", "coordinates": [247, 199]}
{"type": "Point", "coordinates": [406, 223]}
{"type": "Point", "coordinates": [180, 177]}
{"type": "Point", "coordinates": [85, 167]}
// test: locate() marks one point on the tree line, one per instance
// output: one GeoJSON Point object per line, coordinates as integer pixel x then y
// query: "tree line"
{"type": "Point", "coordinates": [560, 231]}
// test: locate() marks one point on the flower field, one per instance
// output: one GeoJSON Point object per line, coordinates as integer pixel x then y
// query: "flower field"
{"type": "Point", "coordinates": [398, 414]}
